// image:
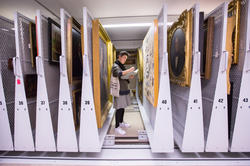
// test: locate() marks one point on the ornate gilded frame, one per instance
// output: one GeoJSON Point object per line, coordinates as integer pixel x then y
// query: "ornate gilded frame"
{"type": "Point", "coordinates": [97, 33]}
{"type": "Point", "coordinates": [185, 22]}
{"type": "Point", "coordinates": [234, 8]}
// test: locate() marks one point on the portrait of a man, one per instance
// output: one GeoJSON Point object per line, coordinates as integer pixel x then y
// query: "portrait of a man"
{"type": "Point", "coordinates": [177, 52]}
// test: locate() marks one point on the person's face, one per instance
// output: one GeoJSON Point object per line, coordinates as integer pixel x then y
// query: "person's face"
{"type": "Point", "coordinates": [123, 59]}
{"type": "Point", "coordinates": [176, 43]}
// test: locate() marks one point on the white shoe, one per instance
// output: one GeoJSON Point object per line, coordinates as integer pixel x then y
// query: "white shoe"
{"type": "Point", "coordinates": [125, 125]}
{"type": "Point", "coordinates": [118, 130]}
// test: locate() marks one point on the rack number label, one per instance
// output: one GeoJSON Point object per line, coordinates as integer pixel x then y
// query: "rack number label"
{"type": "Point", "coordinates": [164, 101]}
{"type": "Point", "coordinates": [20, 102]}
{"type": "Point", "coordinates": [65, 102]}
{"type": "Point", "coordinates": [245, 100]}
{"type": "Point", "coordinates": [87, 102]}
{"type": "Point", "coordinates": [220, 100]}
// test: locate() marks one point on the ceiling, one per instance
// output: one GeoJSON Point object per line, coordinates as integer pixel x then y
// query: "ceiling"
{"type": "Point", "coordinates": [110, 12]}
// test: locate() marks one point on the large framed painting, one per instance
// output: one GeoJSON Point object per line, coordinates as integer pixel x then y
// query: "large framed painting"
{"type": "Point", "coordinates": [77, 106]}
{"type": "Point", "coordinates": [33, 46]}
{"type": "Point", "coordinates": [208, 46]}
{"type": "Point", "coordinates": [180, 49]}
{"type": "Point", "coordinates": [233, 27]}
{"type": "Point", "coordinates": [54, 37]}
{"type": "Point", "coordinates": [74, 52]}
{"type": "Point", "coordinates": [102, 63]}
{"type": "Point", "coordinates": [151, 64]}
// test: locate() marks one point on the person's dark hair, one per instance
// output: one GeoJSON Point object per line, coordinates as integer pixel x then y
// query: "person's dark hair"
{"type": "Point", "coordinates": [122, 53]}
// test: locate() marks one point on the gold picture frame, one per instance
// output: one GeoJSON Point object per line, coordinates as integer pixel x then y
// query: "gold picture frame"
{"type": "Point", "coordinates": [74, 35]}
{"type": "Point", "coordinates": [233, 30]}
{"type": "Point", "coordinates": [99, 34]}
{"type": "Point", "coordinates": [151, 64]}
{"type": "Point", "coordinates": [140, 74]}
{"type": "Point", "coordinates": [183, 25]}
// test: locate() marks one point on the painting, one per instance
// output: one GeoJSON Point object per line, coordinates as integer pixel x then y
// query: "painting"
{"type": "Point", "coordinates": [77, 106]}
{"type": "Point", "coordinates": [208, 46]}
{"type": "Point", "coordinates": [102, 63]}
{"type": "Point", "coordinates": [151, 64]}
{"type": "Point", "coordinates": [30, 85]}
{"type": "Point", "coordinates": [180, 49]}
{"type": "Point", "coordinates": [33, 46]}
{"type": "Point", "coordinates": [74, 52]}
{"type": "Point", "coordinates": [54, 37]}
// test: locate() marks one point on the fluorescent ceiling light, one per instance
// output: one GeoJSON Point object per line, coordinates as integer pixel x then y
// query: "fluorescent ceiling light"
{"type": "Point", "coordinates": [127, 25]}
{"type": "Point", "coordinates": [6, 30]}
{"type": "Point", "coordinates": [131, 25]}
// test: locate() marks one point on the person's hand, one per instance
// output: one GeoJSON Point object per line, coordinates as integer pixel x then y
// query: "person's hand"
{"type": "Point", "coordinates": [131, 77]}
{"type": "Point", "coordinates": [131, 69]}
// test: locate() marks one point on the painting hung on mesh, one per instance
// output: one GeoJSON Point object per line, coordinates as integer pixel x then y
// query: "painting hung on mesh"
{"type": "Point", "coordinates": [150, 64]}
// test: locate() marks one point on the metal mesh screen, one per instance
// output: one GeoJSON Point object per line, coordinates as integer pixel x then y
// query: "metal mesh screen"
{"type": "Point", "coordinates": [7, 52]}
{"type": "Point", "coordinates": [52, 76]}
{"type": "Point", "coordinates": [25, 56]}
{"type": "Point", "coordinates": [89, 36]}
{"type": "Point", "coordinates": [236, 70]}
{"type": "Point", "coordinates": [208, 86]}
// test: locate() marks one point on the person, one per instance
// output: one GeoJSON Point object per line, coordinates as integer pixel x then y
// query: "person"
{"type": "Point", "coordinates": [121, 102]}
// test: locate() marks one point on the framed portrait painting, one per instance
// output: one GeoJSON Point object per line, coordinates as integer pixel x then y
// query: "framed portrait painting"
{"type": "Point", "coordinates": [180, 49]}
{"type": "Point", "coordinates": [102, 63]}
{"type": "Point", "coordinates": [54, 37]}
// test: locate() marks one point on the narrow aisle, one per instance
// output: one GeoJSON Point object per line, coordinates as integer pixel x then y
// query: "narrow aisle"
{"type": "Point", "coordinates": [133, 117]}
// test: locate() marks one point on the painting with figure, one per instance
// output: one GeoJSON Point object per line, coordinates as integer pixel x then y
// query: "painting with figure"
{"type": "Point", "coordinates": [150, 64]}
{"type": "Point", "coordinates": [177, 52]}
{"type": "Point", "coordinates": [180, 49]}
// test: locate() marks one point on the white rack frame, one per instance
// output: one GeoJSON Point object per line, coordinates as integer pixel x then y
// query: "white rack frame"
{"type": "Point", "coordinates": [241, 133]}
{"type": "Point", "coordinates": [23, 137]}
{"type": "Point", "coordinates": [91, 138]}
{"type": "Point", "coordinates": [66, 135]}
{"type": "Point", "coordinates": [6, 142]}
{"type": "Point", "coordinates": [45, 140]}
{"type": "Point", "coordinates": [217, 140]}
{"type": "Point", "coordinates": [193, 138]}
{"type": "Point", "coordinates": [161, 137]}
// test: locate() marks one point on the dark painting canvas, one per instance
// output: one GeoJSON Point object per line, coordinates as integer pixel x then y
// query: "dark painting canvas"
{"type": "Point", "coordinates": [54, 35]}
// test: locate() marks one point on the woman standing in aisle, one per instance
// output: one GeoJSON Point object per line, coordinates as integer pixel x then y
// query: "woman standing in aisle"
{"type": "Point", "coordinates": [121, 102]}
